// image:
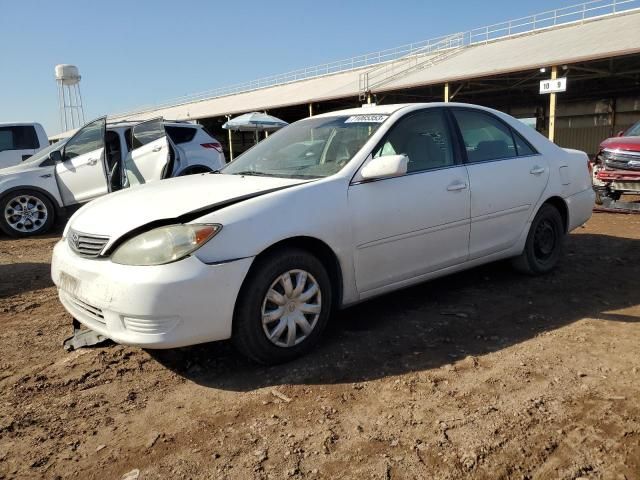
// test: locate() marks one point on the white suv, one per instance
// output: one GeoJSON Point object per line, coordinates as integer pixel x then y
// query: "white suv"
{"type": "Point", "coordinates": [18, 141]}
{"type": "Point", "coordinates": [98, 159]}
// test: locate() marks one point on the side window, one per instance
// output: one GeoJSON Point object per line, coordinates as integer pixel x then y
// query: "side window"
{"type": "Point", "coordinates": [88, 139]}
{"type": "Point", "coordinates": [424, 137]}
{"type": "Point", "coordinates": [181, 134]}
{"type": "Point", "coordinates": [6, 139]}
{"type": "Point", "coordinates": [18, 138]}
{"type": "Point", "coordinates": [485, 137]}
{"type": "Point", "coordinates": [147, 132]}
{"type": "Point", "coordinates": [522, 146]}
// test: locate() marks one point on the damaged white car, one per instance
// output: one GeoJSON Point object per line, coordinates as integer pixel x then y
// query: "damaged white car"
{"type": "Point", "coordinates": [330, 211]}
{"type": "Point", "coordinates": [100, 158]}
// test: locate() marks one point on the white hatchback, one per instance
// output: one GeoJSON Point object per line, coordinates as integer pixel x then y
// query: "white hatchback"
{"type": "Point", "coordinates": [330, 211]}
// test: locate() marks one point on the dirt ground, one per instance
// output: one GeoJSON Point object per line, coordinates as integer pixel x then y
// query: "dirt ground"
{"type": "Point", "coordinates": [485, 374]}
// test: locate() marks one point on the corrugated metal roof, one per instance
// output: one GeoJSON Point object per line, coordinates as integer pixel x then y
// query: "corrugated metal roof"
{"type": "Point", "coordinates": [605, 37]}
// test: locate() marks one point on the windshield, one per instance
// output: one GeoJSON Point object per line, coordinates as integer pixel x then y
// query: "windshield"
{"type": "Point", "coordinates": [44, 153]}
{"type": "Point", "coordinates": [634, 131]}
{"type": "Point", "coordinates": [310, 148]}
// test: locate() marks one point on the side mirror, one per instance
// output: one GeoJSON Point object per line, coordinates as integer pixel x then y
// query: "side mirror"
{"type": "Point", "coordinates": [620, 133]}
{"type": "Point", "coordinates": [385, 167]}
{"type": "Point", "coordinates": [56, 156]}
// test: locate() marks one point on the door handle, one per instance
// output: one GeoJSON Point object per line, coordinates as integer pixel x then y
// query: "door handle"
{"type": "Point", "coordinates": [456, 186]}
{"type": "Point", "coordinates": [537, 170]}
{"type": "Point", "coordinates": [92, 161]}
{"type": "Point", "coordinates": [157, 149]}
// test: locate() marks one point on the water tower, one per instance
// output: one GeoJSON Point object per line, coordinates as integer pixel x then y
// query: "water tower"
{"type": "Point", "coordinates": [69, 97]}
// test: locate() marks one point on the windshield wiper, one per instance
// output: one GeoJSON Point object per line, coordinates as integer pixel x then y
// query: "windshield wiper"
{"type": "Point", "coordinates": [253, 173]}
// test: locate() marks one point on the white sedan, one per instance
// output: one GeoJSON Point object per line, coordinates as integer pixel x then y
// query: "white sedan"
{"type": "Point", "coordinates": [330, 211]}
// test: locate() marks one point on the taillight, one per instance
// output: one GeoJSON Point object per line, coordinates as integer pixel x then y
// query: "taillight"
{"type": "Point", "coordinates": [214, 145]}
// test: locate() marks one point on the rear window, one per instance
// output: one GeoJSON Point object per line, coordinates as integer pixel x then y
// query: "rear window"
{"type": "Point", "coordinates": [181, 134]}
{"type": "Point", "coordinates": [487, 138]}
{"type": "Point", "coordinates": [18, 138]}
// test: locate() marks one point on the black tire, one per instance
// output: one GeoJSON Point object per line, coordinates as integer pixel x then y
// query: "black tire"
{"type": "Point", "coordinates": [544, 244]}
{"type": "Point", "coordinates": [43, 216]}
{"type": "Point", "coordinates": [249, 335]}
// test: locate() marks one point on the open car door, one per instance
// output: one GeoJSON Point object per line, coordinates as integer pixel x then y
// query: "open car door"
{"type": "Point", "coordinates": [81, 175]}
{"type": "Point", "coordinates": [151, 157]}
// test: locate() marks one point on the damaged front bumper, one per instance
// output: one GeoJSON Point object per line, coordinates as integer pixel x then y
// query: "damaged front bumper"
{"type": "Point", "coordinates": [163, 306]}
{"type": "Point", "coordinates": [82, 337]}
{"type": "Point", "coordinates": [624, 181]}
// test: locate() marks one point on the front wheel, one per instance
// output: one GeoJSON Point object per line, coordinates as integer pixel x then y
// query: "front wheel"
{"type": "Point", "coordinates": [543, 247]}
{"type": "Point", "coordinates": [283, 307]}
{"type": "Point", "coordinates": [25, 213]}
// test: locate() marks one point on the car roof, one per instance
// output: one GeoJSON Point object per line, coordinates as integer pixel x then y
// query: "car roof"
{"type": "Point", "coordinates": [17, 124]}
{"type": "Point", "coordinates": [131, 123]}
{"type": "Point", "coordinates": [367, 110]}
{"type": "Point", "coordinates": [390, 109]}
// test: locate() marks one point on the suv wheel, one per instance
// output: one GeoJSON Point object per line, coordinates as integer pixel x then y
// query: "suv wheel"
{"type": "Point", "coordinates": [283, 307]}
{"type": "Point", "coordinates": [26, 212]}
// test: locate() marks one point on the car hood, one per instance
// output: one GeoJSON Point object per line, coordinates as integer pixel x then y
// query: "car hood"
{"type": "Point", "coordinates": [622, 143]}
{"type": "Point", "coordinates": [180, 199]}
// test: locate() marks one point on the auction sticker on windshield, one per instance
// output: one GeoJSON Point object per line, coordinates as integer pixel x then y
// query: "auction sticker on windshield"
{"type": "Point", "coordinates": [366, 119]}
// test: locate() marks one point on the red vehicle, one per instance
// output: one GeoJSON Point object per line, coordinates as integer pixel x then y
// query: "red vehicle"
{"type": "Point", "coordinates": [617, 165]}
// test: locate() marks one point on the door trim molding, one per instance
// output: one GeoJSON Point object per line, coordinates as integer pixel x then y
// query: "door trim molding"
{"type": "Point", "coordinates": [415, 233]}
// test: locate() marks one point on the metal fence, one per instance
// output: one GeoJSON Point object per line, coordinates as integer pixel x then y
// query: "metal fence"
{"type": "Point", "coordinates": [532, 23]}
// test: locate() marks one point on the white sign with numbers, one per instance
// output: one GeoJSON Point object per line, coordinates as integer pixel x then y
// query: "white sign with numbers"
{"type": "Point", "coordinates": [553, 86]}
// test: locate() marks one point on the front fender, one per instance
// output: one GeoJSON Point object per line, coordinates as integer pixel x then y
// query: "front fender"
{"type": "Point", "coordinates": [43, 182]}
{"type": "Point", "coordinates": [318, 210]}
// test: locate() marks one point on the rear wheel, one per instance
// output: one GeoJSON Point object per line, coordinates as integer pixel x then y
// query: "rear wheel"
{"type": "Point", "coordinates": [26, 212]}
{"type": "Point", "coordinates": [283, 307]}
{"type": "Point", "coordinates": [543, 247]}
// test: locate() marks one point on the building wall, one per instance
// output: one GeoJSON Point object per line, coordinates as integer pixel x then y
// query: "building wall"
{"type": "Point", "coordinates": [583, 124]}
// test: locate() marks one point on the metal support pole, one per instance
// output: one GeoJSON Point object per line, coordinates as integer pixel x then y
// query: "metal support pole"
{"type": "Point", "coordinates": [64, 110]}
{"type": "Point", "coordinates": [230, 141]}
{"type": "Point", "coordinates": [77, 100]}
{"type": "Point", "coordinates": [446, 92]}
{"type": "Point", "coordinates": [369, 97]}
{"type": "Point", "coordinates": [311, 109]}
{"type": "Point", "coordinates": [60, 106]}
{"type": "Point", "coordinates": [552, 107]}
{"type": "Point", "coordinates": [81, 105]}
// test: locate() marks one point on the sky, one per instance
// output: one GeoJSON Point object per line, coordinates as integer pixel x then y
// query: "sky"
{"type": "Point", "coordinates": [135, 53]}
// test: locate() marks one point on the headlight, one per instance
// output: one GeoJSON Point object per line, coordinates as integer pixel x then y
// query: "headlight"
{"type": "Point", "coordinates": [164, 244]}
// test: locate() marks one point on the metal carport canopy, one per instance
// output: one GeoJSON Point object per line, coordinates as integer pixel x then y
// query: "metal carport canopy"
{"type": "Point", "coordinates": [594, 39]}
